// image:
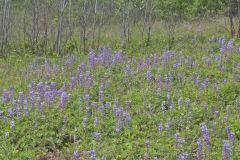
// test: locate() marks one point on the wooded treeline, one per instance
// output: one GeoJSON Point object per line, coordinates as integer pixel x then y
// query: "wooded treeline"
{"type": "Point", "coordinates": [47, 26]}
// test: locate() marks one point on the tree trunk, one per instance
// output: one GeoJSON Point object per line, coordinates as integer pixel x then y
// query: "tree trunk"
{"type": "Point", "coordinates": [5, 19]}
{"type": "Point", "coordinates": [62, 6]}
{"type": "Point", "coordinates": [94, 22]}
{"type": "Point", "coordinates": [230, 12]}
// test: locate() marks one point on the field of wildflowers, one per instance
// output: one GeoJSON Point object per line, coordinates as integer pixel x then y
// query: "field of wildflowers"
{"type": "Point", "coordinates": [112, 105]}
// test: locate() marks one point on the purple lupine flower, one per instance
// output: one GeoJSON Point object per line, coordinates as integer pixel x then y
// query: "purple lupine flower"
{"type": "Point", "coordinates": [102, 108]}
{"type": "Point", "coordinates": [199, 148]}
{"type": "Point", "coordinates": [81, 68]}
{"type": "Point", "coordinates": [21, 98]}
{"type": "Point", "coordinates": [184, 156]}
{"type": "Point", "coordinates": [53, 86]}
{"type": "Point", "coordinates": [126, 117]}
{"type": "Point", "coordinates": [117, 57]}
{"type": "Point", "coordinates": [230, 46]}
{"type": "Point", "coordinates": [101, 96]}
{"type": "Point", "coordinates": [196, 80]}
{"type": "Point", "coordinates": [217, 114]}
{"type": "Point", "coordinates": [108, 105]}
{"type": "Point", "coordinates": [31, 97]}
{"type": "Point", "coordinates": [63, 99]}
{"type": "Point", "coordinates": [167, 126]}
{"type": "Point", "coordinates": [47, 96]}
{"type": "Point", "coordinates": [5, 97]}
{"type": "Point", "coordinates": [118, 113]}
{"type": "Point", "coordinates": [47, 66]}
{"type": "Point", "coordinates": [175, 65]}
{"type": "Point", "coordinates": [149, 75]}
{"type": "Point", "coordinates": [40, 87]}
{"type": "Point", "coordinates": [93, 156]}
{"type": "Point", "coordinates": [101, 93]}
{"type": "Point", "coordinates": [222, 51]}
{"type": "Point", "coordinates": [205, 134]}
{"type": "Point", "coordinates": [127, 72]}
{"type": "Point", "coordinates": [206, 81]}
{"type": "Point", "coordinates": [160, 128]}
{"type": "Point", "coordinates": [73, 82]}
{"type": "Point", "coordinates": [230, 134]}
{"type": "Point", "coordinates": [17, 109]}
{"type": "Point", "coordinates": [176, 135]}
{"type": "Point", "coordinates": [86, 98]}
{"type": "Point", "coordinates": [226, 151]}
{"type": "Point", "coordinates": [94, 105]}
{"type": "Point", "coordinates": [88, 79]}
{"type": "Point", "coordinates": [75, 154]}
{"type": "Point", "coordinates": [26, 111]}
{"type": "Point", "coordinates": [166, 80]}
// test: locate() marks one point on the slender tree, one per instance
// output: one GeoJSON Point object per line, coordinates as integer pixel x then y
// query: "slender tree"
{"type": "Point", "coordinates": [5, 25]}
{"type": "Point", "coordinates": [62, 6]}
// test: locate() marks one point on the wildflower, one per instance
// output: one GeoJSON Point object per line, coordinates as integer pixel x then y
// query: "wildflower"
{"type": "Point", "coordinates": [184, 156]}
{"type": "Point", "coordinates": [168, 124]}
{"type": "Point", "coordinates": [75, 154]}
{"type": "Point", "coordinates": [26, 111]}
{"type": "Point", "coordinates": [31, 97]}
{"type": "Point", "coordinates": [205, 134]}
{"type": "Point", "coordinates": [149, 75]}
{"type": "Point", "coordinates": [93, 156]}
{"type": "Point", "coordinates": [230, 134]}
{"type": "Point", "coordinates": [63, 99]}
{"type": "Point", "coordinates": [21, 98]}
{"type": "Point", "coordinates": [199, 148]}
{"type": "Point", "coordinates": [5, 97]}
{"type": "Point", "coordinates": [102, 110]}
{"type": "Point", "coordinates": [94, 105]}
{"type": "Point", "coordinates": [16, 106]}
{"type": "Point", "coordinates": [126, 117]}
{"type": "Point", "coordinates": [160, 127]}
{"type": "Point", "coordinates": [226, 151]}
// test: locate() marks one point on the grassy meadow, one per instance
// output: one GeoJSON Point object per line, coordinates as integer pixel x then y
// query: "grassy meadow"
{"type": "Point", "coordinates": [133, 102]}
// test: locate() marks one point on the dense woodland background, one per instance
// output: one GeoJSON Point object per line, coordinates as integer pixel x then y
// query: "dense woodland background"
{"type": "Point", "coordinates": [61, 26]}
